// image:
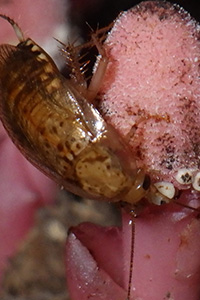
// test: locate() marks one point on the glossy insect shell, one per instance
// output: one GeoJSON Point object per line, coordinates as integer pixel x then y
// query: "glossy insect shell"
{"type": "Point", "coordinates": [56, 128]}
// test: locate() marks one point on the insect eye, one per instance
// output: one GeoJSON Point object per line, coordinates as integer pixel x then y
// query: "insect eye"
{"type": "Point", "coordinates": [146, 182]}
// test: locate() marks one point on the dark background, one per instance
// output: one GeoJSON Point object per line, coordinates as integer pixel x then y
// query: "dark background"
{"type": "Point", "coordinates": [102, 12]}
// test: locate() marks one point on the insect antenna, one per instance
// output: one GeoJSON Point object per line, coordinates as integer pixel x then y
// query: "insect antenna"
{"type": "Point", "coordinates": [15, 26]}
{"type": "Point", "coordinates": [100, 32]}
{"type": "Point", "coordinates": [132, 221]}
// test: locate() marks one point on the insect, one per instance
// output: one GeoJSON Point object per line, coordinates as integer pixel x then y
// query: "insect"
{"type": "Point", "coordinates": [53, 122]}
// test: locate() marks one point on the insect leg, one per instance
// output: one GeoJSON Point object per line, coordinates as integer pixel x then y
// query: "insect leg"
{"type": "Point", "coordinates": [100, 69]}
{"type": "Point", "coordinates": [76, 67]}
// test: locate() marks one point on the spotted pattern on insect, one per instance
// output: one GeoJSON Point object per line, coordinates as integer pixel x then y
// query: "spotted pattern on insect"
{"type": "Point", "coordinates": [51, 121]}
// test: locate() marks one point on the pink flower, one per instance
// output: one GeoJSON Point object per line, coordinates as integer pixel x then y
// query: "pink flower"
{"type": "Point", "coordinates": [152, 81]}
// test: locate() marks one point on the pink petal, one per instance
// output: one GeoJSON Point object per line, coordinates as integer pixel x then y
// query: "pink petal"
{"type": "Point", "coordinates": [89, 273]}
{"type": "Point", "coordinates": [23, 190]}
{"type": "Point", "coordinates": [166, 254]}
{"type": "Point", "coordinates": [166, 257]}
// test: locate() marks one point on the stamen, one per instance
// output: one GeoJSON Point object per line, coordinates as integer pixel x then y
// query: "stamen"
{"type": "Point", "coordinates": [196, 182]}
{"type": "Point", "coordinates": [166, 188]}
{"type": "Point", "coordinates": [184, 176]}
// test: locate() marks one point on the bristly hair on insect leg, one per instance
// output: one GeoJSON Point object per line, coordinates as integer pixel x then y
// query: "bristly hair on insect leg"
{"type": "Point", "coordinates": [80, 60]}
{"type": "Point", "coordinates": [75, 63]}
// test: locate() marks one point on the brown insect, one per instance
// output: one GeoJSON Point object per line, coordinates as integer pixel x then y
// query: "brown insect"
{"type": "Point", "coordinates": [53, 122]}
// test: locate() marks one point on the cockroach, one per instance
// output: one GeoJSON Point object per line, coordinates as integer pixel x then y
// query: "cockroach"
{"type": "Point", "coordinates": [53, 122]}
